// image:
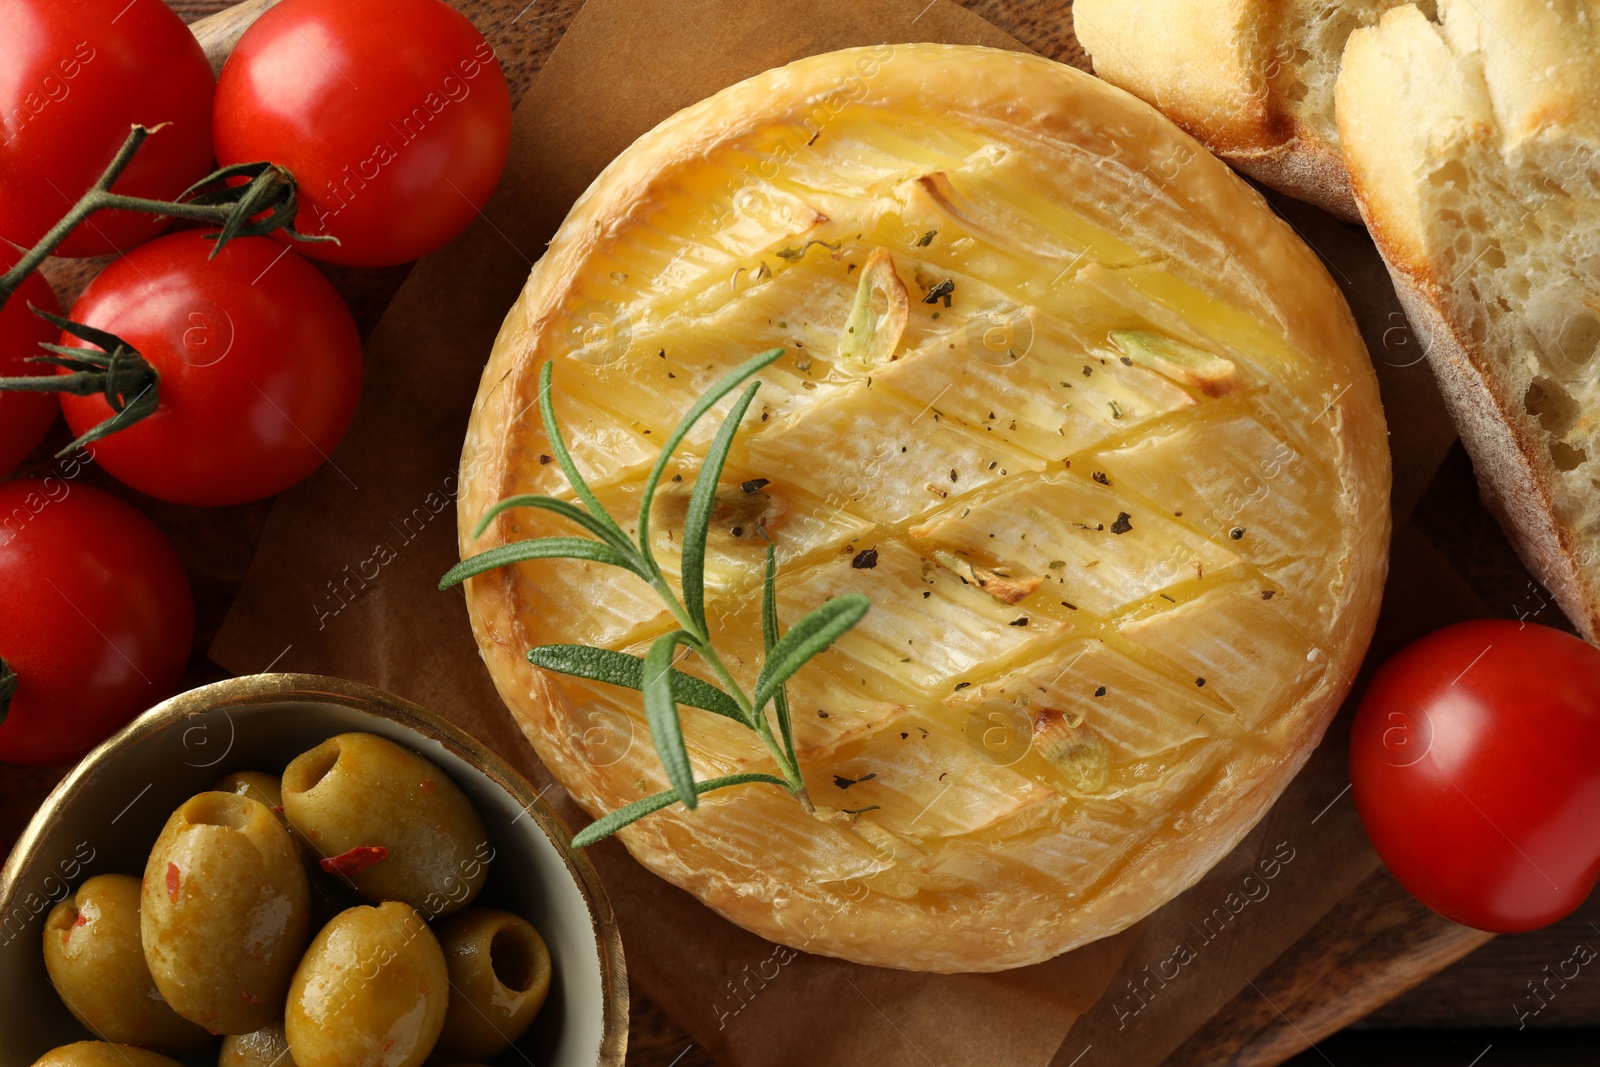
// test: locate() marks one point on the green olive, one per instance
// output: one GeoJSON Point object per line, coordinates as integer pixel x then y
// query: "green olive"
{"type": "Point", "coordinates": [102, 1054]}
{"type": "Point", "coordinates": [499, 976]}
{"type": "Point", "coordinates": [224, 913]}
{"type": "Point", "coordinates": [267, 1047]}
{"type": "Point", "coordinates": [92, 951]}
{"type": "Point", "coordinates": [256, 785]}
{"type": "Point", "coordinates": [394, 825]}
{"type": "Point", "coordinates": [371, 991]}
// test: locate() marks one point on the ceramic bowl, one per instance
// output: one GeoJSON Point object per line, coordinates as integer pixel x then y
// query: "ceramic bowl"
{"type": "Point", "coordinates": [105, 815]}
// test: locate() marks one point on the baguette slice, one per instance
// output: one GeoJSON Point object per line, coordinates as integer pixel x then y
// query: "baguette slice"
{"type": "Point", "coordinates": [1251, 79]}
{"type": "Point", "coordinates": [1472, 148]}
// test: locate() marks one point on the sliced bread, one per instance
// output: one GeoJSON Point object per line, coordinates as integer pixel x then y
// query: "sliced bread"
{"type": "Point", "coordinates": [1472, 147]}
{"type": "Point", "coordinates": [1252, 80]}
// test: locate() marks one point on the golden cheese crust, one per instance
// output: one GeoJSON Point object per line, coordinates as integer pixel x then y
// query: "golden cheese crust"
{"type": "Point", "coordinates": [1144, 402]}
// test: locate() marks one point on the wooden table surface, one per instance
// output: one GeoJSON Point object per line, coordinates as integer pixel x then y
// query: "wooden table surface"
{"type": "Point", "coordinates": [1471, 1009]}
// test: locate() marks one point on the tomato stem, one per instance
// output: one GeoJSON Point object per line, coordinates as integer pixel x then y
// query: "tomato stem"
{"type": "Point", "coordinates": [219, 198]}
{"type": "Point", "coordinates": [117, 371]}
{"type": "Point", "coordinates": [8, 686]}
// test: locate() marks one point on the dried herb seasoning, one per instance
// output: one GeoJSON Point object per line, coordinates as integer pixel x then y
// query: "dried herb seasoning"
{"type": "Point", "coordinates": [663, 686]}
{"type": "Point", "coordinates": [941, 291]}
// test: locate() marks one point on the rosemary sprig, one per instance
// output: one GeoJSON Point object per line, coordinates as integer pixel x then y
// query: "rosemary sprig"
{"type": "Point", "coordinates": [664, 688]}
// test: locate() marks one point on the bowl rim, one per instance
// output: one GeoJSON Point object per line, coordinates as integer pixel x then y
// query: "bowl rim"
{"type": "Point", "coordinates": [249, 690]}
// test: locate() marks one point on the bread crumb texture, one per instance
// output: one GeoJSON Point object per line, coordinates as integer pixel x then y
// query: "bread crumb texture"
{"type": "Point", "coordinates": [1253, 80]}
{"type": "Point", "coordinates": [1471, 142]}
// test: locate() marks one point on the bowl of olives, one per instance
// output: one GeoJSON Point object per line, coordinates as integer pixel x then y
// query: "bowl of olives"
{"type": "Point", "coordinates": [298, 871]}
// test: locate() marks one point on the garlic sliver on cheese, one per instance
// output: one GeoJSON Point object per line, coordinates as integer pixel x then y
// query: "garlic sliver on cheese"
{"type": "Point", "coordinates": [1087, 425]}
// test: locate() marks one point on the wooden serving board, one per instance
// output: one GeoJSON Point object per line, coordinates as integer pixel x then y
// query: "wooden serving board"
{"type": "Point", "coordinates": [1361, 941]}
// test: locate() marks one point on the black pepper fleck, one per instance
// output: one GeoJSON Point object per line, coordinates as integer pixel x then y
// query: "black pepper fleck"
{"type": "Point", "coordinates": [755, 484]}
{"type": "Point", "coordinates": [1021, 621]}
{"type": "Point", "coordinates": [1200, 681]}
{"type": "Point", "coordinates": [1236, 533]}
{"type": "Point", "coordinates": [543, 459]}
{"type": "Point", "coordinates": [865, 561]}
{"type": "Point", "coordinates": [1122, 525]}
{"type": "Point", "coordinates": [1268, 594]}
{"type": "Point", "coordinates": [1100, 476]}
{"type": "Point", "coordinates": [1100, 692]}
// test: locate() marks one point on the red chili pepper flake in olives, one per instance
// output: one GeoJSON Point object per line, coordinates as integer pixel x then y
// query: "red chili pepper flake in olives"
{"type": "Point", "coordinates": [172, 881]}
{"type": "Point", "coordinates": [355, 861]}
{"type": "Point", "coordinates": [429, 785]}
{"type": "Point", "coordinates": [83, 920]}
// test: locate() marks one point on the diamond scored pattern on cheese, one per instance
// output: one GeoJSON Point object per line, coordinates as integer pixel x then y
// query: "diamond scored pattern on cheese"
{"type": "Point", "coordinates": [895, 466]}
{"type": "Point", "coordinates": [1157, 550]}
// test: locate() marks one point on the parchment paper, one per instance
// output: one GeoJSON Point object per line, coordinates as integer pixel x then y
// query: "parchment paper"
{"type": "Point", "coordinates": [344, 584]}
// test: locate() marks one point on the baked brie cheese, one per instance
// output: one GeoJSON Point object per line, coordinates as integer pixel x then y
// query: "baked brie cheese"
{"type": "Point", "coordinates": [1088, 425]}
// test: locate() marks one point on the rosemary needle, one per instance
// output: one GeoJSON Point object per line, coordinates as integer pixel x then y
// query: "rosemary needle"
{"type": "Point", "coordinates": [664, 688]}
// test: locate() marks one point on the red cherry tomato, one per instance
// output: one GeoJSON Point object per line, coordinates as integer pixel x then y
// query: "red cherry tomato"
{"type": "Point", "coordinates": [1475, 761]}
{"type": "Point", "coordinates": [98, 618]}
{"type": "Point", "coordinates": [77, 74]}
{"type": "Point", "coordinates": [259, 364]}
{"type": "Point", "coordinates": [24, 417]}
{"type": "Point", "coordinates": [393, 114]}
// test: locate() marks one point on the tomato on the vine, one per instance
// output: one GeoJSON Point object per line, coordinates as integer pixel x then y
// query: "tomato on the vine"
{"type": "Point", "coordinates": [1475, 762]}
{"type": "Point", "coordinates": [393, 115]}
{"type": "Point", "coordinates": [24, 417]}
{"type": "Point", "coordinates": [97, 621]}
{"type": "Point", "coordinates": [258, 367]}
{"type": "Point", "coordinates": [78, 74]}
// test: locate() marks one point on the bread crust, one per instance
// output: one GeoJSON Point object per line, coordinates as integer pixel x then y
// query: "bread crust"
{"type": "Point", "coordinates": [1393, 146]}
{"type": "Point", "coordinates": [1210, 66]}
{"type": "Point", "coordinates": [1010, 929]}
{"type": "Point", "coordinates": [1305, 167]}
{"type": "Point", "coordinates": [1516, 491]}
